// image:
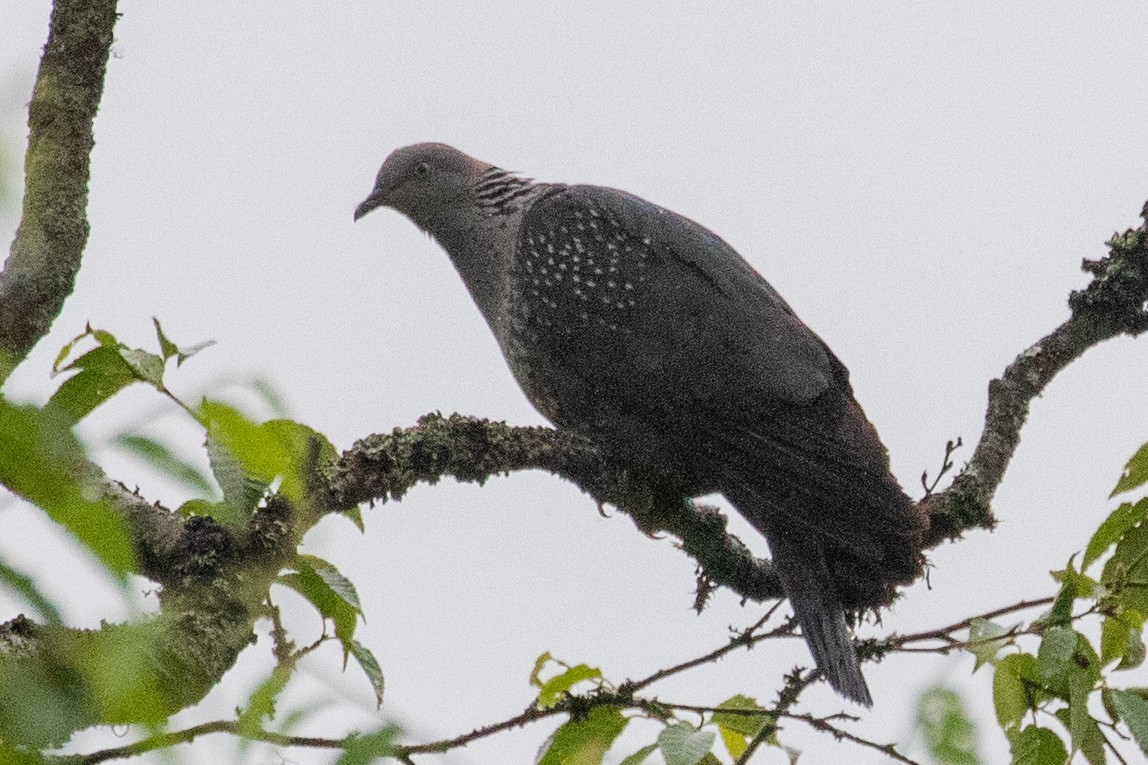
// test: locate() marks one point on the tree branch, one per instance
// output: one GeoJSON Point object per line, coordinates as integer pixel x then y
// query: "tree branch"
{"type": "Point", "coordinates": [45, 256]}
{"type": "Point", "coordinates": [382, 467]}
{"type": "Point", "coordinates": [1112, 304]}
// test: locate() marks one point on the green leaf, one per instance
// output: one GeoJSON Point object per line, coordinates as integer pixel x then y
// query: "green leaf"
{"type": "Point", "coordinates": [638, 757]}
{"type": "Point", "coordinates": [122, 680]}
{"type": "Point", "coordinates": [1135, 472]}
{"type": "Point", "coordinates": [146, 366]}
{"type": "Point", "coordinates": [1113, 529]}
{"type": "Point", "coordinates": [261, 704]}
{"type": "Point", "coordinates": [1126, 571]}
{"type": "Point", "coordinates": [165, 461]}
{"type": "Point", "coordinates": [1081, 585]}
{"type": "Point", "coordinates": [684, 744]}
{"type": "Point", "coordinates": [1133, 711]}
{"type": "Point", "coordinates": [736, 726]}
{"type": "Point", "coordinates": [1057, 648]}
{"type": "Point", "coordinates": [371, 667]}
{"type": "Point", "coordinates": [166, 347]}
{"type": "Point", "coordinates": [302, 450]}
{"type": "Point", "coordinates": [329, 603]}
{"type": "Point", "coordinates": [26, 588]}
{"type": "Point", "coordinates": [1038, 746]}
{"type": "Point", "coordinates": [1120, 638]}
{"type": "Point", "coordinates": [240, 493]}
{"type": "Point", "coordinates": [556, 687]}
{"type": "Point", "coordinates": [207, 509]}
{"type": "Point", "coordinates": [43, 462]}
{"type": "Point", "coordinates": [1086, 736]}
{"type": "Point", "coordinates": [585, 741]}
{"type": "Point", "coordinates": [341, 585]}
{"type": "Point", "coordinates": [986, 639]}
{"type": "Point", "coordinates": [103, 373]}
{"type": "Point", "coordinates": [169, 349]}
{"type": "Point", "coordinates": [949, 734]}
{"type": "Point", "coordinates": [1061, 612]}
{"type": "Point", "coordinates": [1016, 685]}
{"type": "Point", "coordinates": [365, 748]}
{"type": "Point", "coordinates": [245, 455]}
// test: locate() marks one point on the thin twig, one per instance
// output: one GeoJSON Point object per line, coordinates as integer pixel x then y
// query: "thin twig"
{"type": "Point", "coordinates": [945, 632]}
{"type": "Point", "coordinates": [746, 638]}
{"type": "Point", "coordinates": [822, 724]}
{"type": "Point", "coordinates": [164, 740]}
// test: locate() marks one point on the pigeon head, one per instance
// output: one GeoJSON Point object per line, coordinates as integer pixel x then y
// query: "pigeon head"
{"type": "Point", "coordinates": [423, 182]}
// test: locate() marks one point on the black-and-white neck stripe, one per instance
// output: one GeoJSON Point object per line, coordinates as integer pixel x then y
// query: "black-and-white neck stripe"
{"type": "Point", "coordinates": [498, 191]}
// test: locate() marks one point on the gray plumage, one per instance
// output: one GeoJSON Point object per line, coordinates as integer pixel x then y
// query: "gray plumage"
{"type": "Point", "coordinates": [647, 333]}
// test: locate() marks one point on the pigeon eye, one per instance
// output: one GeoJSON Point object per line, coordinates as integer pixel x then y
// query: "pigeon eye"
{"type": "Point", "coordinates": [422, 168]}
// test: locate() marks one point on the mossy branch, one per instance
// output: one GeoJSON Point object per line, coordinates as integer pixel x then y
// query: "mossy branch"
{"type": "Point", "coordinates": [45, 256]}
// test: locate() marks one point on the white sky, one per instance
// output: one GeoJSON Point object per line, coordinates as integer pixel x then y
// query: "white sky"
{"type": "Point", "coordinates": [920, 180]}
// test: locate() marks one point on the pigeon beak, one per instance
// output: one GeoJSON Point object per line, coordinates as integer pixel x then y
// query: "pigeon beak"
{"type": "Point", "coordinates": [375, 200]}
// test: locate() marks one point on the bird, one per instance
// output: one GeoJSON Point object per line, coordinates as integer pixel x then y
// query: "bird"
{"type": "Point", "coordinates": [650, 336]}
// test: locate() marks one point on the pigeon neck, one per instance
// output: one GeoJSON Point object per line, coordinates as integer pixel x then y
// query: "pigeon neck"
{"type": "Point", "coordinates": [481, 248]}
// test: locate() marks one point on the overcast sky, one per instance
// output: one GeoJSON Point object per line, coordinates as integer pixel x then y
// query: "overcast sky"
{"type": "Point", "coordinates": [920, 180]}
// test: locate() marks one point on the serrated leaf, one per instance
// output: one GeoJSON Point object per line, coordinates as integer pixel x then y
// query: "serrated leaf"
{"type": "Point", "coordinates": [732, 714]}
{"type": "Point", "coordinates": [585, 741]}
{"type": "Point", "coordinates": [1057, 648]}
{"type": "Point", "coordinates": [365, 748]}
{"type": "Point", "coordinates": [275, 449]}
{"type": "Point", "coordinates": [43, 462]}
{"type": "Point", "coordinates": [1038, 746]}
{"type": "Point", "coordinates": [1109, 707]}
{"type": "Point", "coordinates": [949, 733]}
{"type": "Point", "coordinates": [638, 757]}
{"type": "Point", "coordinates": [737, 725]}
{"type": "Point", "coordinates": [240, 493]}
{"type": "Point", "coordinates": [556, 687]}
{"type": "Point", "coordinates": [1081, 585]}
{"type": "Point", "coordinates": [986, 639]}
{"type": "Point", "coordinates": [1061, 612]}
{"type": "Point", "coordinates": [684, 744]}
{"type": "Point", "coordinates": [1120, 638]}
{"type": "Point", "coordinates": [163, 459]}
{"type": "Point", "coordinates": [1135, 472]}
{"type": "Point", "coordinates": [1128, 567]}
{"type": "Point", "coordinates": [27, 589]}
{"type": "Point", "coordinates": [1114, 527]}
{"type": "Point", "coordinates": [146, 366]}
{"type": "Point", "coordinates": [1086, 736]}
{"type": "Point", "coordinates": [166, 347]}
{"type": "Point", "coordinates": [1133, 711]}
{"type": "Point", "coordinates": [339, 584]}
{"type": "Point", "coordinates": [103, 373]}
{"type": "Point", "coordinates": [261, 704]}
{"type": "Point", "coordinates": [301, 451]}
{"type": "Point", "coordinates": [169, 349]}
{"type": "Point", "coordinates": [1015, 685]}
{"type": "Point", "coordinates": [371, 668]}
{"type": "Point", "coordinates": [1135, 654]}
{"type": "Point", "coordinates": [327, 602]}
